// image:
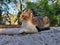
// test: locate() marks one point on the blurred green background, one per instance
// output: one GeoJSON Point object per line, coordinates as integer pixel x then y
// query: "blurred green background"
{"type": "Point", "coordinates": [50, 8]}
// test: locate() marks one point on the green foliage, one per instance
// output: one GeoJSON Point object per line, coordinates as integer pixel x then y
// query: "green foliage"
{"type": "Point", "coordinates": [43, 8]}
{"type": "Point", "coordinates": [5, 8]}
{"type": "Point", "coordinates": [40, 8]}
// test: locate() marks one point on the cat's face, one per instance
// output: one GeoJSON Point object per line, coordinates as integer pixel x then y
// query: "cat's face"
{"type": "Point", "coordinates": [26, 16]}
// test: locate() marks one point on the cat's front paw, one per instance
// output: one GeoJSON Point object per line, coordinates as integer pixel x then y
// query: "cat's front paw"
{"type": "Point", "coordinates": [23, 30]}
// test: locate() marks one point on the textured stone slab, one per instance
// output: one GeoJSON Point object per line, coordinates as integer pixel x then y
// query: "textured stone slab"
{"type": "Point", "coordinates": [48, 37]}
{"type": "Point", "coordinates": [9, 30]}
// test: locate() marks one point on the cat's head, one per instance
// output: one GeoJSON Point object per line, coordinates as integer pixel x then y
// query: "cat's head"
{"type": "Point", "coordinates": [26, 15]}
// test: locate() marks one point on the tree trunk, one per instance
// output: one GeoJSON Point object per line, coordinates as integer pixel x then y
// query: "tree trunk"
{"type": "Point", "coordinates": [20, 4]}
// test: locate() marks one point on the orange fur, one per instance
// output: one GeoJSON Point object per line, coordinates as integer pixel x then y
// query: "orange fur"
{"type": "Point", "coordinates": [25, 16]}
{"type": "Point", "coordinates": [45, 20]}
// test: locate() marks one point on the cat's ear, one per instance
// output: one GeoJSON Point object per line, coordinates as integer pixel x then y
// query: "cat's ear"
{"type": "Point", "coordinates": [29, 11]}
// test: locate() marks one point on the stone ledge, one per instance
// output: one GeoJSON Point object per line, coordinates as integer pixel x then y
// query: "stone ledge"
{"type": "Point", "coordinates": [48, 37]}
{"type": "Point", "coordinates": [10, 26]}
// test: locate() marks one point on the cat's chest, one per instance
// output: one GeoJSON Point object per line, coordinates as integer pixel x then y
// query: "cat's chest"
{"type": "Point", "coordinates": [27, 25]}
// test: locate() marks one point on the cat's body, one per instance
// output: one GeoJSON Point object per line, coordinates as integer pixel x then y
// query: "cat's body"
{"type": "Point", "coordinates": [27, 25]}
{"type": "Point", "coordinates": [33, 24]}
{"type": "Point", "coordinates": [41, 22]}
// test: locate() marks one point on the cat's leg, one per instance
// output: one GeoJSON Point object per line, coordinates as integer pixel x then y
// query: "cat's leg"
{"type": "Point", "coordinates": [27, 31]}
{"type": "Point", "coordinates": [23, 30]}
